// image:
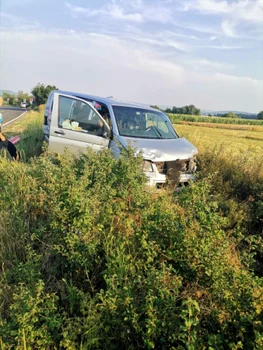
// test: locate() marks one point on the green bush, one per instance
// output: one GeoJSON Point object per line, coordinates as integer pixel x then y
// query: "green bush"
{"type": "Point", "coordinates": [93, 259]}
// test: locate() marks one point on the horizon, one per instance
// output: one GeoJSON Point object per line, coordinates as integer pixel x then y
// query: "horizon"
{"type": "Point", "coordinates": [172, 52]}
{"type": "Point", "coordinates": [162, 107]}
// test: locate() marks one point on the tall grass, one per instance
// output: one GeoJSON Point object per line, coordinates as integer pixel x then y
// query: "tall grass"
{"type": "Point", "coordinates": [243, 146]}
{"type": "Point", "coordinates": [234, 160]}
{"type": "Point", "coordinates": [30, 130]}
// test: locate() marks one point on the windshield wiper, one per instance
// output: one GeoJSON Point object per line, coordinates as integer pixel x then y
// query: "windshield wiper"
{"type": "Point", "coordinates": [158, 132]}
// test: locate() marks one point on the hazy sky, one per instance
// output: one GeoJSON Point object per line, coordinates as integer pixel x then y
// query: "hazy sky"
{"type": "Point", "coordinates": [166, 52]}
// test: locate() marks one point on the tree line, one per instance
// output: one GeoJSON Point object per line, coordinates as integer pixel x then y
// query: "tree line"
{"type": "Point", "coordinates": [39, 95]}
{"type": "Point", "coordinates": [190, 110]}
{"type": "Point", "coordinates": [15, 99]}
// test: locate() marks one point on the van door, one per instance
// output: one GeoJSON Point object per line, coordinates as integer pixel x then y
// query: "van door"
{"type": "Point", "coordinates": [47, 115]}
{"type": "Point", "coordinates": [76, 125]}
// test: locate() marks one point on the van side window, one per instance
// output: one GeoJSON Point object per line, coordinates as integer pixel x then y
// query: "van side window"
{"type": "Point", "coordinates": [79, 116]}
{"type": "Point", "coordinates": [102, 110]}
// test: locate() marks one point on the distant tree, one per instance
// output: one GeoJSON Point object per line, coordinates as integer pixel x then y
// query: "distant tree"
{"type": "Point", "coordinates": [156, 107]}
{"type": "Point", "coordinates": [229, 115]}
{"type": "Point", "coordinates": [8, 98]}
{"type": "Point", "coordinates": [190, 110]}
{"type": "Point", "coordinates": [21, 97]}
{"type": "Point", "coordinates": [41, 92]}
{"type": "Point", "coordinates": [183, 110]}
{"type": "Point", "coordinates": [197, 111]}
{"type": "Point", "coordinates": [260, 115]}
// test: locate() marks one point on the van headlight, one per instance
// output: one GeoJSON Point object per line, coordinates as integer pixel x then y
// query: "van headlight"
{"type": "Point", "coordinates": [147, 166]}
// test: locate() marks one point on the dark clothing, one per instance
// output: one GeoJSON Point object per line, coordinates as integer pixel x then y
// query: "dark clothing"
{"type": "Point", "coordinates": [4, 143]}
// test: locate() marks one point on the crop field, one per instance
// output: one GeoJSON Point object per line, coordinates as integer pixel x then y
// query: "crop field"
{"type": "Point", "coordinates": [91, 258]}
{"type": "Point", "coordinates": [178, 118]}
{"type": "Point", "coordinates": [234, 143]}
{"type": "Point", "coordinates": [236, 137]}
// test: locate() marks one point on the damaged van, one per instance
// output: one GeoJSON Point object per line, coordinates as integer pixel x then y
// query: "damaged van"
{"type": "Point", "coordinates": [76, 121]}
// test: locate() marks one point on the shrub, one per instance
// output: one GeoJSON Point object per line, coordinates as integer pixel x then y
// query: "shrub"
{"type": "Point", "coordinates": [93, 259]}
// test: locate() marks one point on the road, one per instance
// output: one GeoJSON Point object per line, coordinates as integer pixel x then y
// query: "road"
{"type": "Point", "coordinates": [10, 114]}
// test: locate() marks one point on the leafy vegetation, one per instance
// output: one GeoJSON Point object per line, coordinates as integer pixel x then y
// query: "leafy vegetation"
{"type": "Point", "coordinates": [41, 92]}
{"type": "Point", "coordinates": [94, 259]}
{"type": "Point", "coordinates": [260, 115]}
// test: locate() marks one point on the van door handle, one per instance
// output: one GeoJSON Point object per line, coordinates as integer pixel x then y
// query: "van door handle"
{"type": "Point", "coordinates": [60, 132]}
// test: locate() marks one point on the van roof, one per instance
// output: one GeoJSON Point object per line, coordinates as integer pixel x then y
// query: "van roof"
{"type": "Point", "coordinates": [105, 100]}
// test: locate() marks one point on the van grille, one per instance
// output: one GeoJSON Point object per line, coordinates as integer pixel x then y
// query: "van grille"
{"type": "Point", "coordinates": [180, 165]}
{"type": "Point", "coordinates": [173, 169]}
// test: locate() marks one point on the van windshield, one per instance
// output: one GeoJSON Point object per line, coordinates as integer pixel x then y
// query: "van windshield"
{"type": "Point", "coordinates": [143, 123]}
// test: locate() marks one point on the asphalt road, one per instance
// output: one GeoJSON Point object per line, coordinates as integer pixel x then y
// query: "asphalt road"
{"type": "Point", "coordinates": [10, 114]}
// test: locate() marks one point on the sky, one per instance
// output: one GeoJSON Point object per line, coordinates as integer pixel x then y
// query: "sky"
{"type": "Point", "coordinates": [164, 52]}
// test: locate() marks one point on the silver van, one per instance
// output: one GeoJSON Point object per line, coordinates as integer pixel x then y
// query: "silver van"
{"type": "Point", "coordinates": [76, 121]}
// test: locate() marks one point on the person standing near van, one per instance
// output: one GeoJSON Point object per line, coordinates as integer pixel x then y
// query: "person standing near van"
{"type": "Point", "coordinates": [6, 144]}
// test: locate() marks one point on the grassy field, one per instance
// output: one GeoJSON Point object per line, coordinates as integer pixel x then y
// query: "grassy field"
{"type": "Point", "coordinates": [233, 136]}
{"type": "Point", "coordinates": [238, 145]}
{"type": "Point", "coordinates": [92, 260]}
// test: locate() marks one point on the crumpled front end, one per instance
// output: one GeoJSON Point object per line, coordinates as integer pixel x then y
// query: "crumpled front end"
{"type": "Point", "coordinates": [171, 172]}
{"type": "Point", "coordinates": [170, 161]}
